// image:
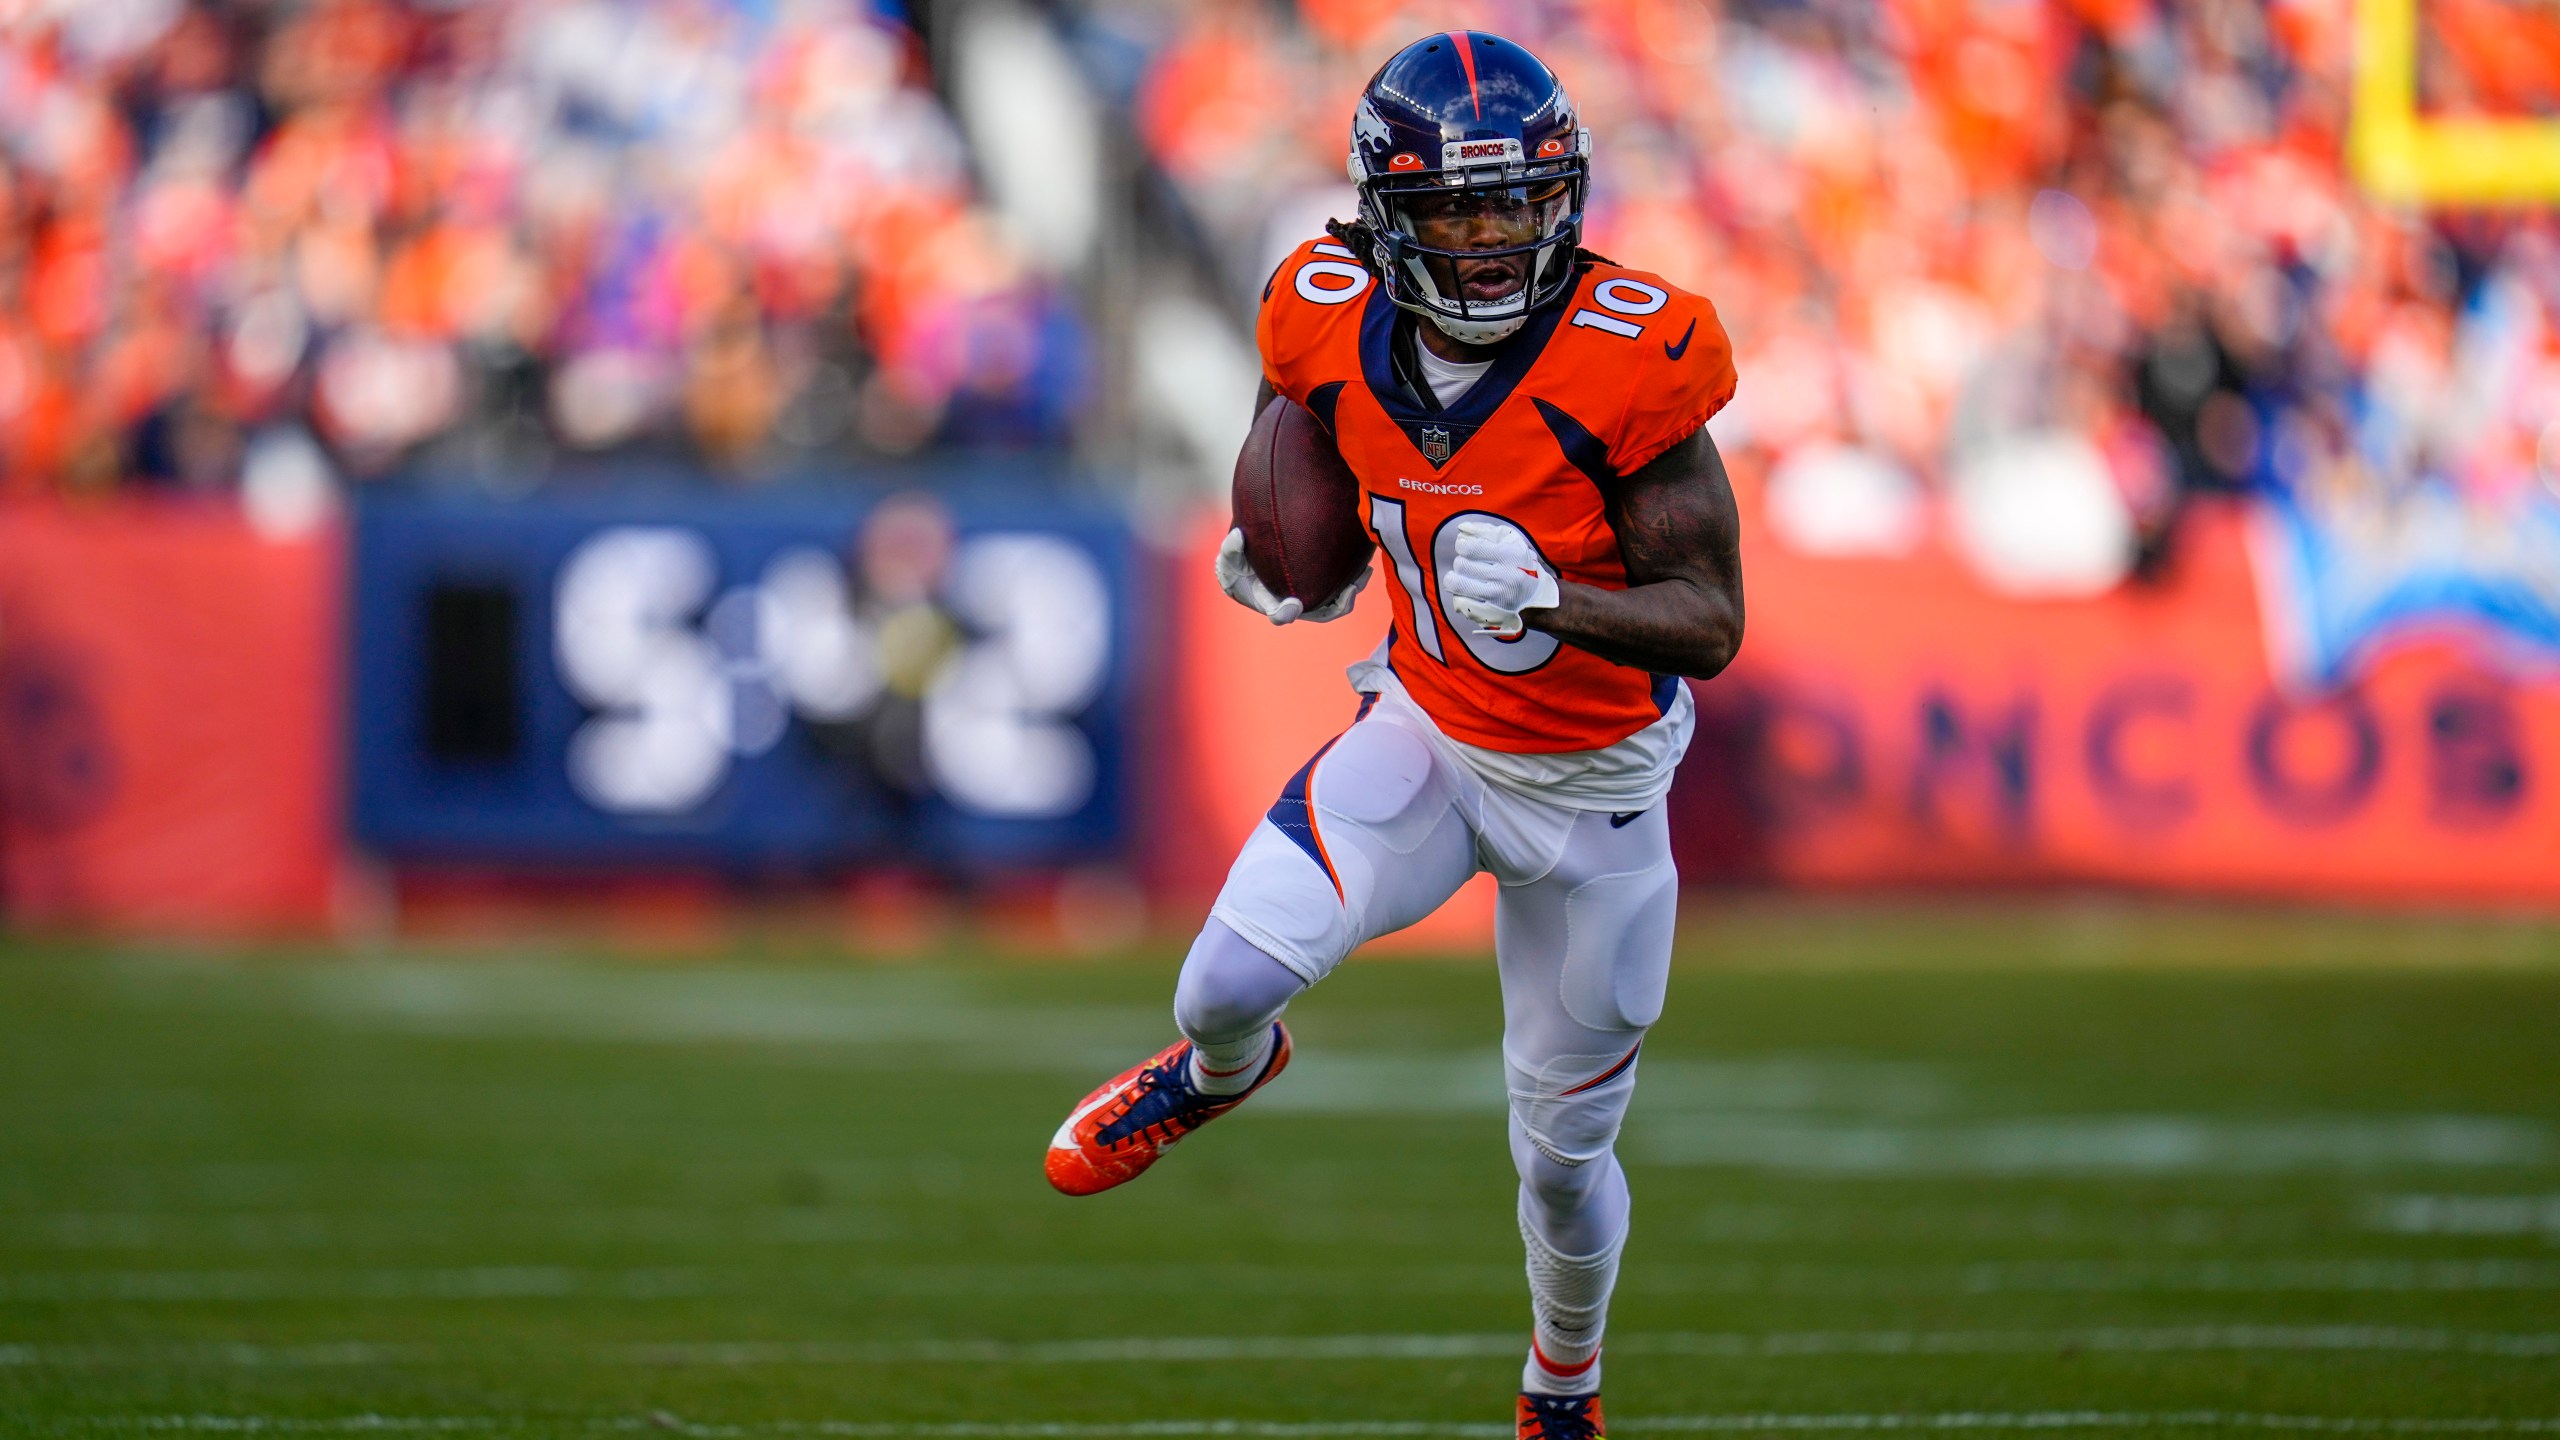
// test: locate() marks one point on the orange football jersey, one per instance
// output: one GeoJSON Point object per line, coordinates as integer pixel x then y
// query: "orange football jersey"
{"type": "Point", "coordinates": [1591, 388]}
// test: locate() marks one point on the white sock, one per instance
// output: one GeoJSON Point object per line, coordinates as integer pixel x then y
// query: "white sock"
{"type": "Point", "coordinates": [1569, 1302]}
{"type": "Point", "coordinates": [1229, 1068]}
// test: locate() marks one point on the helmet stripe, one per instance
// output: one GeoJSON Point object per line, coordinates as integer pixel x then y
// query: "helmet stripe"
{"type": "Point", "coordinates": [1467, 57]}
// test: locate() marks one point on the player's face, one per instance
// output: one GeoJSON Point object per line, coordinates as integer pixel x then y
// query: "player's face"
{"type": "Point", "coordinates": [1489, 219]}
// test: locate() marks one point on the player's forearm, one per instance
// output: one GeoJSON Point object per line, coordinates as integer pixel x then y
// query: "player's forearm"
{"type": "Point", "coordinates": [1675, 626]}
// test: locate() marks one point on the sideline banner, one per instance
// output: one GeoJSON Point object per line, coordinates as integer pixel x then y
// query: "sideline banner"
{"type": "Point", "coordinates": [774, 684]}
{"type": "Point", "coordinates": [1891, 722]}
{"type": "Point", "coordinates": [167, 750]}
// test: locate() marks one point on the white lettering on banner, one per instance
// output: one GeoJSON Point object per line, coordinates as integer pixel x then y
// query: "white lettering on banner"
{"type": "Point", "coordinates": [675, 702]}
{"type": "Point", "coordinates": [999, 729]}
{"type": "Point", "coordinates": [658, 743]}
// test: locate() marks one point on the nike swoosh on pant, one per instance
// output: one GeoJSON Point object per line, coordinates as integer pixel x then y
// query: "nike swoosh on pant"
{"type": "Point", "coordinates": [1619, 821]}
{"type": "Point", "coordinates": [1676, 351]}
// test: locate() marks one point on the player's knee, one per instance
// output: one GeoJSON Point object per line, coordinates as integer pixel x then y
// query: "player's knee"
{"type": "Point", "coordinates": [1559, 1187]}
{"type": "Point", "coordinates": [1569, 1109]}
{"type": "Point", "coordinates": [1578, 1209]}
{"type": "Point", "coordinates": [1214, 1019]}
{"type": "Point", "coordinates": [1229, 988]}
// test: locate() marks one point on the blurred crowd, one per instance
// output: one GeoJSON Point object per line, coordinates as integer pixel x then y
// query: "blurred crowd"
{"type": "Point", "coordinates": [309, 240]}
{"type": "Point", "coordinates": [2024, 275]}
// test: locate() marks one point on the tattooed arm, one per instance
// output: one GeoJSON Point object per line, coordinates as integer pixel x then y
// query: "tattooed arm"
{"type": "Point", "coordinates": [1681, 613]}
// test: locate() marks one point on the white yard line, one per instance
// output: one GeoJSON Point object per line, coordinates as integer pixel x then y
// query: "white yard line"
{"type": "Point", "coordinates": [319, 1230]}
{"type": "Point", "coordinates": [2311, 1275]}
{"type": "Point", "coordinates": [504, 1282]}
{"type": "Point", "coordinates": [1939, 1421]}
{"type": "Point", "coordinates": [2465, 1215]}
{"type": "Point", "coordinates": [2086, 1144]}
{"type": "Point", "coordinates": [481, 1282]}
{"type": "Point", "coordinates": [1213, 1349]}
{"type": "Point", "coordinates": [1735, 1345]}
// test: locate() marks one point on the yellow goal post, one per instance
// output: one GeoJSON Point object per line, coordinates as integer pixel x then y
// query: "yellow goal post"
{"type": "Point", "coordinates": [2399, 155]}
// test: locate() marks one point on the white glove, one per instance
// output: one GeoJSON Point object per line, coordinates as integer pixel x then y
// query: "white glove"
{"type": "Point", "coordinates": [1496, 575]}
{"type": "Point", "coordinates": [1246, 588]}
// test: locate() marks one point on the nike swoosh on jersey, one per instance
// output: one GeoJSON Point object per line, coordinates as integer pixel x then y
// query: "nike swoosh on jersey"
{"type": "Point", "coordinates": [1676, 351]}
{"type": "Point", "coordinates": [1619, 821]}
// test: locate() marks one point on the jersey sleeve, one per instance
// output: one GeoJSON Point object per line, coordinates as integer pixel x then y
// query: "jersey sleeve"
{"type": "Point", "coordinates": [1680, 383]}
{"type": "Point", "coordinates": [1314, 287]}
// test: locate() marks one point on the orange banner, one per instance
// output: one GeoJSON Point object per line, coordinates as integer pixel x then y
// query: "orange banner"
{"type": "Point", "coordinates": [167, 745]}
{"type": "Point", "coordinates": [1894, 723]}
{"type": "Point", "coordinates": [1891, 722]}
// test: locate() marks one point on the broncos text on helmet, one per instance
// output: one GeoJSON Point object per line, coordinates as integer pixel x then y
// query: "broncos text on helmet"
{"type": "Point", "coordinates": [1465, 134]}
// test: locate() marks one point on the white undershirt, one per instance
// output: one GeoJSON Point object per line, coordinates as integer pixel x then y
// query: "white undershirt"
{"type": "Point", "coordinates": [1448, 379]}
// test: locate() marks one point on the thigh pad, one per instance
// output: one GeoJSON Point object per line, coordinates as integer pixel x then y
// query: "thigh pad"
{"type": "Point", "coordinates": [1384, 779]}
{"type": "Point", "coordinates": [1617, 953]}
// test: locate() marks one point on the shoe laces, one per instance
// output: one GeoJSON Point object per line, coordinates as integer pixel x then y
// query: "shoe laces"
{"type": "Point", "coordinates": [1559, 1417]}
{"type": "Point", "coordinates": [1165, 1107]}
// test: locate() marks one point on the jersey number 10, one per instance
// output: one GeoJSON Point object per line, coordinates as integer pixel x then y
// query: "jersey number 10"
{"type": "Point", "coordinates": [1516, 656]}
{"type": "Point", "coordinates": [1627, 297]}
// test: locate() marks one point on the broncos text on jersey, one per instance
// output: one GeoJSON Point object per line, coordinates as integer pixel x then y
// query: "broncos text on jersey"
{"type": "Point", "coordinates": [1622, 369]}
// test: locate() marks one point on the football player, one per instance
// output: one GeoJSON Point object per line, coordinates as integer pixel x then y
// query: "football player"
{"type": "Point", "coordinates": [1527, 423]}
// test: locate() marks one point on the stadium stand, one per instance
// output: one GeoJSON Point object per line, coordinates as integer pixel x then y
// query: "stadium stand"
{"type": "Point", "coordinates": [354, 236]}
{"type": "Point", "coordinates": [2051, 324]}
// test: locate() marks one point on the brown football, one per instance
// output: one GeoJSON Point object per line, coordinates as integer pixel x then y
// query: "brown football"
{"type": "Point", "coordinates": [1299, 506]}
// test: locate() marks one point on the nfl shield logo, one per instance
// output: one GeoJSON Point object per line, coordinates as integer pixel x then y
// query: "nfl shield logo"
{"type": "Point", "coordinates": [1435, 443]}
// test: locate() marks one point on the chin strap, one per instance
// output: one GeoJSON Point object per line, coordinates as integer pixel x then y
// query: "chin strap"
{"type": "Point", "coordinates": [1479, 332]}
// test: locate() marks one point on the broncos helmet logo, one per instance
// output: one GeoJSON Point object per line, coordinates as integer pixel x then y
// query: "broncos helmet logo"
{"type": "Point", "coordinates": [1369, 134]}
{"type": "Point", "coordinates": [1368, 127]}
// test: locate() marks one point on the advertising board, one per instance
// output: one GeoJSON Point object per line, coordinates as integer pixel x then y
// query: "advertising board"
{"type": "Point", "coordinates": [757, 684]}
{"type": "Point", "coordinates": [167, 699]}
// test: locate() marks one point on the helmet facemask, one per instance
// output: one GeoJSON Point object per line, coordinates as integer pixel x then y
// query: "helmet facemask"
{"type": "Point", "coordinates": [1477, 251]}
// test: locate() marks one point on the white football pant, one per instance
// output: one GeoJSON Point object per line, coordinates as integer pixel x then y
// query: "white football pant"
{"type": "Point", "coordinates": [1380, 828]}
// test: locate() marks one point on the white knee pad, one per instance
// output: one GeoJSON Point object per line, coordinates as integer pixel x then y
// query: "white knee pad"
{"type": "Point", "coordinates": [1571, 1106]}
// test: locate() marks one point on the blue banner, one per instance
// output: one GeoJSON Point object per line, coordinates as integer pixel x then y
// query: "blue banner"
{"type": "Point", "coordinates": [759, 684]}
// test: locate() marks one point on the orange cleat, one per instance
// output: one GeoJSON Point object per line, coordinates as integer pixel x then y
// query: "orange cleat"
{"type": "Point", "coordinates": [1561, 1417]}
{"type": "Point", "coordinates": [1116, 1132]}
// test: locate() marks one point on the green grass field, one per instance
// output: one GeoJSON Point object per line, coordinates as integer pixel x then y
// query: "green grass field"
{"type": "Point", "coordinates": [2045, 1168]}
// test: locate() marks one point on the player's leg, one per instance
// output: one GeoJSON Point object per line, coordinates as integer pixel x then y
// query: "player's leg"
{"type": "Point", "coordinates": [1228, 1004]}
{"type": "Point", "coordinates": [1585, 954]}
{"type": "Point", "coordinates": [1366, 838]}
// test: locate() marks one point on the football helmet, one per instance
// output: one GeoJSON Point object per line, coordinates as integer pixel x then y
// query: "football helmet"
{"type": "Point", "coordinates": [1464, 135]}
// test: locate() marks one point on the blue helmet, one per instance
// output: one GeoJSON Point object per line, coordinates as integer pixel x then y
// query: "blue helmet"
{"type": "Point", "coordinates": [1470, 125]}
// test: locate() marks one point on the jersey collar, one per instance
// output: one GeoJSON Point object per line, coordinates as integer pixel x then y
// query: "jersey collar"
{"type": "Point", "coordinates": [1412, 412]}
